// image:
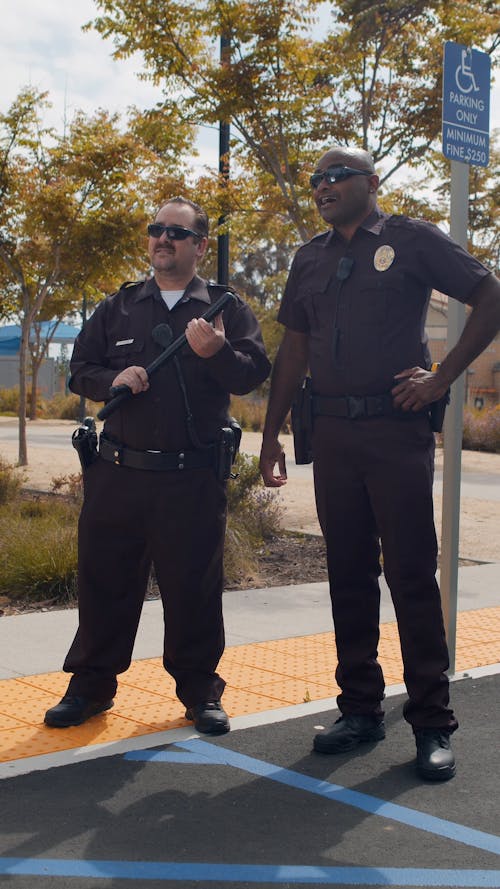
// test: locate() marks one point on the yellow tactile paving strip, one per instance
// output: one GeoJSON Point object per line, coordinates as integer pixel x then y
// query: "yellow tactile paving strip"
{"type": "Point", "coordinates": [262, 676]}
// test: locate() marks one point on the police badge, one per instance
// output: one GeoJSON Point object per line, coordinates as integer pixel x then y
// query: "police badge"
{"type": "Point", "coordinates": [384, 257]}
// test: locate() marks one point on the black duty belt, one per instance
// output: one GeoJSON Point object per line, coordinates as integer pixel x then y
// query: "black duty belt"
{"type": "Point", "coordinates": [161, 461]}
{"type": "Point", "coordinates": [354, 407]}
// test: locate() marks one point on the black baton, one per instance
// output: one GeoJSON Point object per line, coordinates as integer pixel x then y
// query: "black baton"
{"type": "Point", "coordinates": [122, 393]}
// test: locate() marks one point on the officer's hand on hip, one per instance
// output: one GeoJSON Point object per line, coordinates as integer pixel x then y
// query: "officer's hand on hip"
{"type": "Point", "coordinates": [272, 453]}
{"type": "Point", "coordinates": [134, 377]}
{"type": "Point", "coordinates": [206, 340]}
{"type": "Point", "coordinates": [416, 388]}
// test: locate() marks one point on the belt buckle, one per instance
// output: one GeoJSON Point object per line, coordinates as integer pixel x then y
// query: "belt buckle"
{"type": "Point", "coordinates": [378, 407]}
{"type": "Point", "coordinates": [356, 407]}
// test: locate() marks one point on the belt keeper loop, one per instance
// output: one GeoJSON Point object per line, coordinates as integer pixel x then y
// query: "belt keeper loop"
{"type": "Point", "coordinates": [356, 407]}
{"type": "Point", "coordinates": [180, 460]}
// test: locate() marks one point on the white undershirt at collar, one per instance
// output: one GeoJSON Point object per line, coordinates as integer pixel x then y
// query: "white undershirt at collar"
{"type": "Point", "coordinates": [172, 297]}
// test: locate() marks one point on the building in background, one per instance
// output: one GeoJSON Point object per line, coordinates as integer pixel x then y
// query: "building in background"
{"type": "Point", "coordinates": [10, 341]}
{"type": "Point", "coordinates": [482, 383]}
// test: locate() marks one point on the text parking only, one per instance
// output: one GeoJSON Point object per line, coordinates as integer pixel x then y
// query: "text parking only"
{"type": "Point", "coordinates": [466, 104]}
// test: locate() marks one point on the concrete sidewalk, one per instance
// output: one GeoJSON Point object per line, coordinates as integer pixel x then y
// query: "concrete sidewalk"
{"type": "Point", "coordinates": [37, 642]}
{"type": "Point", "coordinates": [279, 663]}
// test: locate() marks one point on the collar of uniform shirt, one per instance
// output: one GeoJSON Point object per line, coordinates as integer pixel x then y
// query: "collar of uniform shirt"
{"type": "Point", "coordinates": [373, 223]}
{"type": "Point", "coordinates": [197, 289]}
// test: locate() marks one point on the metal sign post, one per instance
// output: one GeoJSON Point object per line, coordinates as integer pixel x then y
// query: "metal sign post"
{"type": "Point", "coordinates": [466, 98]}
{"type": "Point", "coordinates": [452, 439]}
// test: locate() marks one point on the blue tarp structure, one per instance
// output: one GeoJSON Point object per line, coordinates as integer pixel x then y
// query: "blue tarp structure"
{"type": "Point", "coordinates": [10, 335]}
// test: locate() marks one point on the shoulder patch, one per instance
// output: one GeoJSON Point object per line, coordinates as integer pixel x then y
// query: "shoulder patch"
{"type": "Point", "coordinates": [398, 219]}
{"type": "Point", "coordinates": [130, 284]}
{"type": "Point", "coordinates": [320, 237]}
{"type": "Point", "coordinates": [220, 288]}
{"type": "Point", "coordinates": [217, 290]}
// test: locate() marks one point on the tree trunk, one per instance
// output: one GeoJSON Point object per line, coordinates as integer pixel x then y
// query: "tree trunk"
{"type": "Point", "coordinates": [36, 363]}
{"type": "Point", "coordinates": [23, 353]}
{"type": "Point", "coordinates": [34, 381]}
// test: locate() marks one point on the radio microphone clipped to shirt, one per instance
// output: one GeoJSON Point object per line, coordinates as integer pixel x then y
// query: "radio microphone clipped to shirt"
{"type": "Point", "coordinates": [344, 269]}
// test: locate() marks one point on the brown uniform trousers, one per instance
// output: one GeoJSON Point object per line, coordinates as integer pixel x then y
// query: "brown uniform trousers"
{"type": "Point", "coordinates": [373, 480]}
{"type": "Point", "coordinates": [131, 518]}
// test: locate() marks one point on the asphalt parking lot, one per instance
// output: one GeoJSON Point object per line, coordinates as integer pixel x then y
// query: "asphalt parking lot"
{"type": "Point", "coordinates": [258, 807]}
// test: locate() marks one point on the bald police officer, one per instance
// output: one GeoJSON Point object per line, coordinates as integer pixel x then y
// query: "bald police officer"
{"type": "Point", "coordinates": [156, 493]}
{"type": "Point", "coordinates": [354, 311]}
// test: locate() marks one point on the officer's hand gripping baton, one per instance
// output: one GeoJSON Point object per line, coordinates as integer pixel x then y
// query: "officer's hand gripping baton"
{"type": "Point", "coordinates": [122, 393]}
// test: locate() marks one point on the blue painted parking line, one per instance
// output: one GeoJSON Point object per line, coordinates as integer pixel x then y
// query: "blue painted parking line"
{"type": "Point", "coordinates": [198, 752]}
{"type": "Point", "coordinates": [250, 873]}
{"type": "Point", "coordinates": [170, 755]}
{"type": "Point", "coordinates": [216, 755]}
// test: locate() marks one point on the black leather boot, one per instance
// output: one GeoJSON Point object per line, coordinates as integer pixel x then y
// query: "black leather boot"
{"type": "Point", "coordinates": [209, 718]}
{"type": "Point", "coordinates": [348, 732]}
{"type": "Point", "coordinates": [435, 760]}
{"type": "Point", "coordinates": [73, 710]}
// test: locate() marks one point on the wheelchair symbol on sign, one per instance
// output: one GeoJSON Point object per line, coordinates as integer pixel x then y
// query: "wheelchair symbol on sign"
{"type": "Point", "coordinates": [465, 75]}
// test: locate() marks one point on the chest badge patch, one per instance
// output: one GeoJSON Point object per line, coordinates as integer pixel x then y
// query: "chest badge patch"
{"type": "Point", "coordinates": [384, 257]}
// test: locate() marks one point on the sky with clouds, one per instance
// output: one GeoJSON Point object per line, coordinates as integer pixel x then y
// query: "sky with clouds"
{"type": "Point", "coordinates": [42, 44]}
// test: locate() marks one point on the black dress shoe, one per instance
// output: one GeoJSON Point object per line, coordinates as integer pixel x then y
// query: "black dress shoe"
{"type": "Point", "coordinates": [348, 732]}
{"type": "Point", "coordinates": [73, 710]}
{"type": "Point", "coordinates": [209, 718]}
{"type": "Point", "coordinates": [435, 760]}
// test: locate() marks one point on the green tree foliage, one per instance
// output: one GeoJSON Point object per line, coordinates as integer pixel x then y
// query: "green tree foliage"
{"type": "Point", "coordinates": [71, 215]}
{"type": "Point", "coordinates": [373, 78]}
{"type": "Point", "coordinates": [8, 295]}
{"type": "Point", "coordinates": [484, 211]}
{"type": "Point", "coordinates": [262, 270]}
{"type": "Point", "coordinates": [484, 201]}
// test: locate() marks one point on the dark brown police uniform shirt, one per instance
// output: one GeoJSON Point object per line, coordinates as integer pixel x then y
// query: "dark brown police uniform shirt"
{"type": "Point", "coordinates": [119, 334]}
{"type": "Point", "coordinates": [379, 310]}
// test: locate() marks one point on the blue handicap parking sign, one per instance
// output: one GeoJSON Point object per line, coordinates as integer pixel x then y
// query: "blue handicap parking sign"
{"type": "Point", "coordinates": [466, 104]}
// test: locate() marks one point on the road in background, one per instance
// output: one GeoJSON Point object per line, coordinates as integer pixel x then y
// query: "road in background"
{"type": "Point", "coordinates": [51, 455]}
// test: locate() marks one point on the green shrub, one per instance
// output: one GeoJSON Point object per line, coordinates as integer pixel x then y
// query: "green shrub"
{"type": "Point", "coordinates": [253, 517]}
{"type": "Point", "coordinates": [67, 407]}
{"type": "Point", "coordinates": [59, 407]}
{"type": "Point", "coordinates": [62, 407]}
{"type": "Point", "coordinates": [250, 412]}
{"type": "Point", "coordinates": [38, 536]}
{"type": "Point", "coordinates": [70, 485]}
{"type": "Point", "coordinates": [481, 429]}
{"type": "Point", "coordinates": [250, 503]}
{"type": "Point", "coordinates": [10, 481]}
{"type": "Point", "coordinates": [9, 401]}
{"type": "Point", "coordinates": [239, 490]}
{"type": "Point", "coordinates": [38, 550]}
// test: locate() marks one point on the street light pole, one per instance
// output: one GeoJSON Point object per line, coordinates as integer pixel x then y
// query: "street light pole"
{"type": "Point", "coordinates": [223, 236]}
{"type": "Point", "coordinates": [83, 404]}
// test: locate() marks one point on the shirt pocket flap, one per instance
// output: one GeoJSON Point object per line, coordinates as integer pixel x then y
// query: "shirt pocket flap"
{"type": "Point", "coordinates": [125, 346]}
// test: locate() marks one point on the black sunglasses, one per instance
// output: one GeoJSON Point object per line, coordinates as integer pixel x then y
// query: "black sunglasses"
{"type": "Point", "coordinates": [173, 232]}
{"type": "Point", "coordinates": [335, 174]}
